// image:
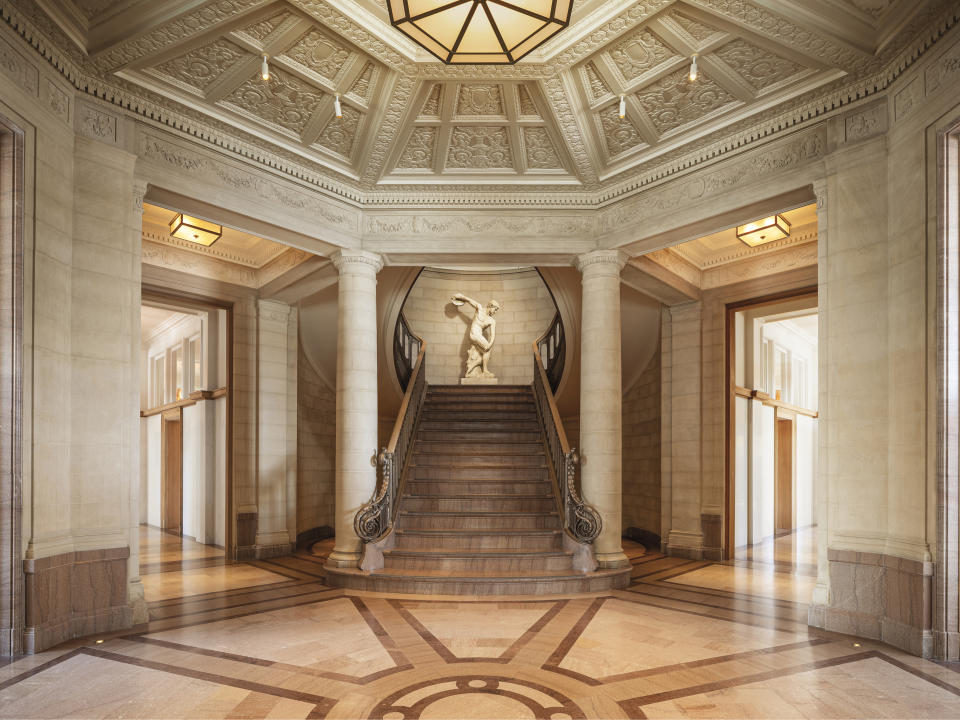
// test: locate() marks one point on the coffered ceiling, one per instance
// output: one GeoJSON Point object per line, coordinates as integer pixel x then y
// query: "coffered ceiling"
{"type": "Point", "coordinates": [549, 123]}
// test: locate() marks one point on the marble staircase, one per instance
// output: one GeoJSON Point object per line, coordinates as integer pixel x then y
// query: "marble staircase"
{"type": "Point", "coordinates": [478, 514]}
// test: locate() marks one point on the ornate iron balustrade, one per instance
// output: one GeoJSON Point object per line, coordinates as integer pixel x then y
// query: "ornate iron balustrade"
{"type": "Point", "coordinates": [552, 347]}
{"type": "Point", "coordinates": [375, 519]}
{"type": "Point", "coordinates": [580, 520]}
{"type": "Point", "coordinates": [406, 351]}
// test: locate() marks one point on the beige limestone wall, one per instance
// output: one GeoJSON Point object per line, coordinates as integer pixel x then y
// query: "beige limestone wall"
{"type": "Point", "coordinates": [316, 448]}
{"type": "Point", "coordinates": [525, 314]}
{"type": "Point", "coordinates": [641, 450]}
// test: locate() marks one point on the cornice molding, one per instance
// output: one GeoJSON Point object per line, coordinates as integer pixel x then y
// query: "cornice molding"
{"type": "Point", "coordinates": [49, 42]}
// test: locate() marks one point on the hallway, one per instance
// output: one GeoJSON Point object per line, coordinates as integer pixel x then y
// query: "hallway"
{"type": "Point", "coordinates": [269, 639]}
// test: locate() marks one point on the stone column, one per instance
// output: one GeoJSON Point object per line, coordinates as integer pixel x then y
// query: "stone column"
{"type": "Point", "coordinates": [356, 396]}
{"type": "Point", "coordinates": [601, 393]}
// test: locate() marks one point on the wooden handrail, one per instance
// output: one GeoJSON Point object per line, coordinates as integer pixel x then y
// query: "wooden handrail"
{"type": "Point", "coordinates": [417, 369]}
{"type": "Point", "coordinates": [554, 412]}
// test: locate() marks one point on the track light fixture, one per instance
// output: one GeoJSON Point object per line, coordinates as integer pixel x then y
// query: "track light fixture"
{"type": "Point", "coordinates": [337, 107]}
{"type": "Point", "coordinates": [265, 69]}
{"type": "Point", "coordinates": [694, 71]}
{"type": "Point", "coordinates": [623, 107]}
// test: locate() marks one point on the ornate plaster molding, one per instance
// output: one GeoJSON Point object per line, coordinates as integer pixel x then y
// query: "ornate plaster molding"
{"type": "Point", "coordinates": [352, 259]}
{"type": "Point", "coordinates": [607, 258]}
{"type": "Point", "coordinates": [87, 77]}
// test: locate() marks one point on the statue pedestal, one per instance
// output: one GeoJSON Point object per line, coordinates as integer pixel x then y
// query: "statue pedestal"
{"type": "Point", "coordinates": [479, 381]}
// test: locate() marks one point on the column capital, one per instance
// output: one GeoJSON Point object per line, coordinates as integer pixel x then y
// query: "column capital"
{"type": "Point", "coordinates": [346, 258]}
{"type": "Point", "coordinates": [608, 258]}
{"type": "Point", "coordinates": [139, 191]}
{"type": "Point", "coordinates": [820, 191]}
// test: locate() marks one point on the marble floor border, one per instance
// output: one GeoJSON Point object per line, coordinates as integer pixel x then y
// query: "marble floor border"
{"type": "Point", "coordinates": [755, 619]}
{"type": "Point", "coordinates": [444, 652]}
{"type": "Point", "coordinates": [256, 606]}
{"type": "Point", "coordinates": [633, 707]}
{"type": "Point", "coordinates": [383, 637]}
{"type": "Point", "coordinates": [759, 601]}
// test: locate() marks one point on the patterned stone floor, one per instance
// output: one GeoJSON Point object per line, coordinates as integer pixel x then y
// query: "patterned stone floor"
{"type": "Point", "coordinates": [687, 639]}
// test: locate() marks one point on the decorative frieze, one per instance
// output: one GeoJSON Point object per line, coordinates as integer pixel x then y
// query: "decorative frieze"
{"type": "Point", "coordinates": [467, 225]}
{"type": "Point", "coordinates": [57, 100]}
{"type": "Point", "coordinates": [805, 148]}
{"type": "Point", "coordinates": [18, 68]}
{"type": "Point", "coordinates": [96, 124]}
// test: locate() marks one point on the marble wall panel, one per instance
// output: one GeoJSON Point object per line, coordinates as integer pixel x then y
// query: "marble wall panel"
{"type": "Point", "coordinates": [316, 449]}
{"type": "Point", "coordinates": [641, 451]}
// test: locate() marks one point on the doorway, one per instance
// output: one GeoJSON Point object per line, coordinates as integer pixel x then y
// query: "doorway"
{"type": "Point", "coordinates": [184, 436]}
{"type": "Point", "coordinates": [772, 433]}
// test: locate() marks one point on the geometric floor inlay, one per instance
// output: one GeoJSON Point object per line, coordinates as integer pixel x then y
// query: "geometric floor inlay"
{"type": "Point", "coordinates": [467, 631]}
{"type": "Point", "coordinates": [299, 649]}
{"type": "Point", "coordinates": [338, 638]}
{"type": "Point", "coordinates": [615, 638]}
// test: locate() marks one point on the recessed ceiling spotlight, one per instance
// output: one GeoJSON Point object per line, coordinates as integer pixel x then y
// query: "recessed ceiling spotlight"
{"type": "Point", "coordinates": [694, 72]}
{"type": "Point", "coordinates": [337, 107]}
{"type": "Point", "coordinates": [623, 107]}
{"type": "Point", "coordinates": [265, 69]}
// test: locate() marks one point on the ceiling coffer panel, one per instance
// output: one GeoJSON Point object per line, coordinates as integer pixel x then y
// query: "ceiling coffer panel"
{"type": "Point", "coordinates": [465, 130]}
{"type": "Point", "coordinates": [309, 66]}
{"type": "Point", "coordinates": [649, 67]}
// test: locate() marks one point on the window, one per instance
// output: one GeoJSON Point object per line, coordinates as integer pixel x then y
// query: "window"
{"type": "Point", "coordinates": [157, 388]}
{"type": "Point", "coordinates": [196, 356]}
{"type": "Point", "coordinates": [176, 359]}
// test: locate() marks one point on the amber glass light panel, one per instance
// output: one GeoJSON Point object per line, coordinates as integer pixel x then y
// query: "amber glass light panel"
{"type": "Point", "coordinates": [195, 230]}
{"type": "Point", "coordinates": [480, 32]}
{"type": "Point", "coordinates": [764, 231]}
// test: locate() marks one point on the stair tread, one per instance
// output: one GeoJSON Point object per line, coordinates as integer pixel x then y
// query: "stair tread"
{"type": "Point", "coordinates": [455, 553]}
{"type": "Point", "coordinates": [469, 532]}
{"type": "Point", "coordinates": [479, 513]}
{"type": "Point", "coordinates": [503, 575]}
{"type": "Point", "coordinates": [485, 496]}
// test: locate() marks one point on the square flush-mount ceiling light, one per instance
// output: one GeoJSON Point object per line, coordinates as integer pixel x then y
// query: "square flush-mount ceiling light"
{"type": "Point", "coordinates": [764, 231]}
{"type": "Point", "coordinates": [479, 32]}
{"type": "Point", "coordinates": [195, 230]}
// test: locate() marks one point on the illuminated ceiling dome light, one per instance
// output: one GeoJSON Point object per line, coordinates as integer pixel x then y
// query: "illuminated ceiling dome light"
{"type": "Point", "coordinates": [480, 32]}
{"type": "Point", "coordinates": [764, 231]}
{"type": "Point", "coordinates": [195, 230]}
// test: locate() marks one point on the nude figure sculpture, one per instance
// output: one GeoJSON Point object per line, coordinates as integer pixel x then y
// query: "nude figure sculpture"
{"type": "Point", "coordinates": [483, 330]}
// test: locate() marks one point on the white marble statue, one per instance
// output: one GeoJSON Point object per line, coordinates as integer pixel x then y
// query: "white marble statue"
{"type": "Point", "coordinates": [483, 330]}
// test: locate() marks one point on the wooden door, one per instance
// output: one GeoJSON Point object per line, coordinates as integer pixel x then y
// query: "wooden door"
{"type": "Point", "coordinates": [783, 495]}
{"type": "Point", "coordinates": [171, 496]}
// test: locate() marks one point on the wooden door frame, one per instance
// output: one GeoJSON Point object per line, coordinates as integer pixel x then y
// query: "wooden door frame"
{"type": "Point", "coordinates": [730, 394]}
{"type": "Point", "coordinates": [150, 293]}
{"type": "Point", "coordinates": [170, 416]}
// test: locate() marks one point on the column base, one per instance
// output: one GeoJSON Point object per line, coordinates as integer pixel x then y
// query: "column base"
{"type": "Point", "coordinates": [344, 559]}
{"type": "Point", "coordinates": [612, 561]}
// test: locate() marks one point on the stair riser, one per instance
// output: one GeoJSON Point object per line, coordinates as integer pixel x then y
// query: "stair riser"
{"type": "Point", "coordinates": [475, 427]}
{"type": "Point", "coordinates": [487, 566]}
{"type": "Point", "coordinates": [485, 407]}
{"type": "Point", "coordinates": [465, 436]}
{"type": "Point", "coordinates": [490, 523]}
{"type": "Point", "coordinates": [461, 415]}
{"type": "Point", "coordinates": [507, 475]}
{"type": "Point", "coordinates": [476, 543]}
{"type": "Point", "coordinates": [443, 488]}
{"type": "Point", "coordinates": [565, 586]}
{"type": "Point", "coordinates": [479, 444]}
{"type": "Point", "coordinates": [496, 461]}
{"type": "Point", "coordinates": [498, 504]}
